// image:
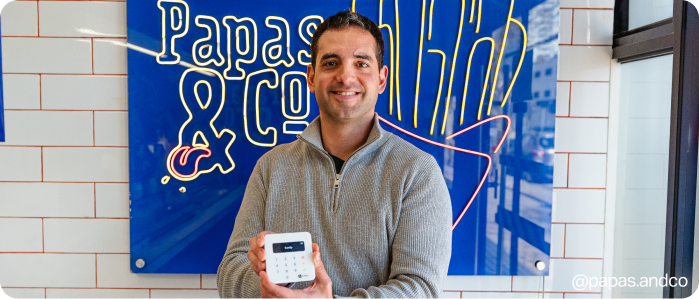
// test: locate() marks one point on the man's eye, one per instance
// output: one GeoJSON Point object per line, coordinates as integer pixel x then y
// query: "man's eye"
{"type": "Point", "coordinates": [330, 63]}
{"type": "Point", "coordinates": [363, 64]}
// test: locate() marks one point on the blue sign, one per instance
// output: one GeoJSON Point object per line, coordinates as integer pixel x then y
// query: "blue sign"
{"type": "Point", "coordinates": [213, 86]}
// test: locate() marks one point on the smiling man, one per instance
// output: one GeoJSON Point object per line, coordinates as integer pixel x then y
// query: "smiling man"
{"type": "Point", "coordinates": [376, 206]}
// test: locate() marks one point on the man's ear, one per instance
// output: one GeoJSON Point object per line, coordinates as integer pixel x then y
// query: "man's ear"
{"type": "Point", "coordinates": [310, 76]}
{"type": "Point", "coordinates": [383, 74]}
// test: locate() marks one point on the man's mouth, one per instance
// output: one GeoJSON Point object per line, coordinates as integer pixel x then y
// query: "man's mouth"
{"type": "Point", "coordinates": [345, 93]}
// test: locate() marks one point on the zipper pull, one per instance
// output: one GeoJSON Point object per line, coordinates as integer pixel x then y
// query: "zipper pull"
{"type": "Point", "coordinates": [337, 181]}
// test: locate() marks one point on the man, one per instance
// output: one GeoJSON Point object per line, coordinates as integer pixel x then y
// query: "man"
{"type": "Point", "coordinates": [376, 206]}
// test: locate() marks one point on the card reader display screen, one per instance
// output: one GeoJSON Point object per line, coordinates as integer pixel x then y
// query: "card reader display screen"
{"type": "Point", "coordinates": [288, 247]}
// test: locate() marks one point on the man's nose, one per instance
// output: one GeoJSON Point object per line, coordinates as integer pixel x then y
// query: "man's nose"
{"type": "Point", "coordinates": [347, 74]}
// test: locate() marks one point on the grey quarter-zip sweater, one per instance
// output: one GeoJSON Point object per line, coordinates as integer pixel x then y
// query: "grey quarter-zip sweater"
{"type": "Point", "coordinates": [383, 224]}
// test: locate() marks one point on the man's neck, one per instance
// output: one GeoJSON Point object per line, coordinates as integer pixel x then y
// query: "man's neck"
{"type": "Point", "coordinates": [342, 139]}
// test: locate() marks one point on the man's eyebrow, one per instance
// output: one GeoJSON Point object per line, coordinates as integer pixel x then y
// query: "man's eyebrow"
{"type": "Point", "coordinates": [363, 56]}
{"type": "Point", "coordinates": [328, 56]}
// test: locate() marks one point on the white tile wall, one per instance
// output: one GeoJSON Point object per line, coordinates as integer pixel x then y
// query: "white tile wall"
{"type": "Point", "coordinates": [562, 98]}
{"type": "Point", "coordinates": [20, 234]}
{"type": "Point", "coordinates": [96, 293]}
{"type": "Point", "coordinates": [527, 283]}
{"type": "Point", "coordinates": [110, 56]}
{"type": "Point", "coordinates": [450, 295]}
{"type": "Point", "coordinates": [587, 171]}
{"type": "Point", "coordinates": [478, 283]}
{"type": "Point", "coordinates": [86, 164]}
{"type": "Point", "coordinates": [48, 128]}
{"type": "Point", "coordinates": [81, 18]}
{"type": "Point", "coordinates": [47, 270]}
{"type": "Point", "coordinates": [557, 239]}
{"type": "Point", "coordinates": [84, 92]}
{"type": "Point", "coordinates": [112, 200]}
{"type": "Point", "coordinates": [85, 235]}
{"type": "Point", "coordinates": [111, 128]}
{"type": "Point", "coordinates": [508, 295]}
{"type": "Point", "coordinates": [21, 91]}
{"type": "Point", "coordinates": [208, 281]}
{"type": "Point", "coordinates": [184, 294]}
{"type": "Point", "coordinates": [587, 3]}
{"type": "Point", "coordinates": [578, 205]}
{"type": "Point", "coordinates": [593, 27]}
{"type": "Point", "coordinates": [589, 99]}
{"type": "Point", "coordinates": [20, 164]}
{"type": "Point", "coordinates": [113, 271]}
{"type": "Point", "coordinates": [46, 200]}
{"type": "Point", "coordinates": [560, 170]}
{"type": "Point", "coordinates": [23, 292]}
{"type": "Point", "coordinates": [584, 240]}
{"type": "Point", "coordinates": [19, 19]}
{"type": "Point", "coordinates": [563, 271]}
{"type": "Point", "coordinates": [46, 55]}
{"type": "Point", "coordinates": [582, 295]}
{"type": "Point", "coordinates": [566, 26]}
{"type": "Point", "coordinates": [586, 135]}
{"type": "Point", "coordinates": [584, 63]}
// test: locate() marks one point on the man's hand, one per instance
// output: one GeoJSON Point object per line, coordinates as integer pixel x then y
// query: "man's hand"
{"type": "Point", "coordinates": [321, 287]}
{"type": "Point", "coordinates": [257, 254]}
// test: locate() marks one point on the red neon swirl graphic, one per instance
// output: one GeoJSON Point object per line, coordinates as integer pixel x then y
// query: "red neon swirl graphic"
{"type": "Point", "coordinates": [490, 161]}
{"type": "Point", "coordinates": [183, 159]}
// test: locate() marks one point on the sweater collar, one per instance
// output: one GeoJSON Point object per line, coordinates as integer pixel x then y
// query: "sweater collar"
{"type": "Point", "coordinates": [377, 136]}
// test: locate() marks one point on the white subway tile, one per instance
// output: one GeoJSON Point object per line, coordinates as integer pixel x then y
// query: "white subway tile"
{"type": "Point", "coordinates": [584, 240]}
{"type": "Point", "coordinates": [566, 26]}
{"type": "Point", "coordinates": [84, 92]}
{"type": "Point", "coordinates": [111, 128]}
{"type": "Point", "coordinates": [20, 234]}
{"type": "Point", "coordinates": [504, 295]}
{"type": "Point", "coordinates": [48, 128]}
{"type": "Point", "coordinates": [47, 270]}
{"type": "Point", "coordinates": [560, 170]}
{"type": "Point", "coordinates": [46, 55]}
{"type": "Point", "coordinates": [562, 98]}
{"type": "Point", "coordinates": [19, 19]}
{"type": "Point", "coordinates": [589, 99]}
{"type": "Point", "coordinates": [80, 18]}
{"type": "Point", "coordinates": [584, 63]}
{"type": "Point", "coordinates": [96, 293]}
{"type": "Point", "coordinates": [86, 235]}
{"type": "Point", "coordinates": [208, 281]}
{"type": "Point", "coordinates": [24, 292]}
{"type": "Point", "coordinates": [184, 294]}
{"type": "Point", "coordinates": [583, 295]}
{"type": "Point", "coordinates": [593, 27]}
{"type": "Point", "coordinates": [557, 239]}
{"type": "Point", "coordinates": [85, 164]}
{"type": "Point", "coordinates": [450, 295]}
{"type": "Point", "coordinates": [110, 56]}
{"type": "Point", "coordinates": [646, 171]}
{"type": "Point", "coordinates": [112, 200]}
{"type": "Point", "coordinates": [20, 164]}
{"type": "Point", "coordinates": [578, 205]}
{"type": "Point", "coordinates": [21, 91]}
{"type": "Point", "coordinates": [587, 171]}
{"type": "Point", "coordinates": [563, 271]}
{"type": "Point", "coordinates": [587, 135]}
{"type": "Point", "coordinates": [46, 200]}
{"type": "Point", "coordinates": [587, 3]}
{"type": "Point", "coordinates": [113, 271]}
{"type": "Point", "coordinates": [647, 135]}
{"type": "Point", "coordinates": [527, 283]}
{"type": "Point", "coordinates": [477, 283]}
{"type": "Point", "coordinates": [645, 206]}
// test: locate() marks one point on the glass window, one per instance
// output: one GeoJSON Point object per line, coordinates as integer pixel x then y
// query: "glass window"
{"type": "Point", "coordinates": [642, 169]}
{"type": "Point", "coordinates": [644, 12]}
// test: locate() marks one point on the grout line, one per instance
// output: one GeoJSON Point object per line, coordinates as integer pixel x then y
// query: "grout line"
{"type": "Point", "coordinates": [586, 45]}
{"type": "Point", "coordinates": [76, 74]}
{"type": "Point", "coordinates": [57, 252]}
{"type": "Point", "coordinates": [45, 293]}
{"type": "Point", "coordinates": [512, 282]}
{"type": "Point", "coordinates": [149, 293]}
{"type": "Point", "coordinates": [75, 182]}
{"type": "Point", "coordinates": [572, 25]}
{"type": "Point", "coordinates": [62, 110]}
{"type": "Point", "coordinates": [582, 81]}
{"type": "Point", "coordinates": [580, 188]}
{"type": "Point", "coordinates": [581, 153]}
{"type": "Point", "coordinates": [583, 8]}
{"type": "Point", "coordinates": [75, 37]}
{"type": "Point", "coordinates": [21, 217]}
{"type": "Point", "coordinates": [576, 258]}
{"type": "Point", "coordinates": [570, 96]}
{"type": "Point", "coordinates": [200, 281]}
{"type": "Point", "coordinates": [568, 172]}
{"type": "Point", "coordinates": [77, 146]}
{"type": "Point", "coordinates": [591, 117]}
{"type": "Point", "coordinates": [38, 31]}
{"type": "Point", "coordinates": [95, 270]}
{"type": "Point", "coordinates": [601, 223]}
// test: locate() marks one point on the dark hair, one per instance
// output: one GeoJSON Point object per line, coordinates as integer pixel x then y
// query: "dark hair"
{"type": "Point", "coordinates": [345, 19]}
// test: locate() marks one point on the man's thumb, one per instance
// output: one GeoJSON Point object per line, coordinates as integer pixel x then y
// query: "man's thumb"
{"type": "Point", "coordinates": [321, 275]}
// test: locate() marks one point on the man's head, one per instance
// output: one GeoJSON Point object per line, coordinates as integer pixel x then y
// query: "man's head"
{"type": "Point", "coordinates": [343, 20]}
{"type": "Point", "coordinates": [347, 71]}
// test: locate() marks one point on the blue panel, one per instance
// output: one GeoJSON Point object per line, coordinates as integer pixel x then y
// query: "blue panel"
{"type": "Point", "coordinates": [182, 215]}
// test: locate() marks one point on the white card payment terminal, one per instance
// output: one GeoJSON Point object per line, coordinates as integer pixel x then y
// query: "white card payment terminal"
{"type": "Point", "coordinates": [289, 257]}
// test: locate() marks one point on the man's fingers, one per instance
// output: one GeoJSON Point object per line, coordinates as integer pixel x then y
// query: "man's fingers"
{"type": "Point", "coordinates": [267, 288]}
{"type": "Point", "coordinates": [260, 239]}
{"type": "Point", "coordinates": [254, 261]}
{"type": "Point", "coordinates": [322, 278]}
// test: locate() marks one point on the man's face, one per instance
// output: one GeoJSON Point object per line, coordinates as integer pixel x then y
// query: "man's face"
{"type": "Point", "coordinates": [346, 79]}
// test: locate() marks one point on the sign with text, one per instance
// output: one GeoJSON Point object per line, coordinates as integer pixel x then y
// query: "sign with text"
{"type": "Point", "coordinates": [214, 85]}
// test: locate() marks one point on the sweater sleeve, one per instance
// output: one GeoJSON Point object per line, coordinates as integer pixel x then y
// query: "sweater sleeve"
{"type": "Point", "coordinates": [422, 245]}
{"type": "Point", "coordinates": [235, 277]}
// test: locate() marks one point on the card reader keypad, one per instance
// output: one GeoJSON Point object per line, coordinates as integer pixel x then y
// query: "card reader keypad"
{"type": "Point", "coordinates": [290, 265]}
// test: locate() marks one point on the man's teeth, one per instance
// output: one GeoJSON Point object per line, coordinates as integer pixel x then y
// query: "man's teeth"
{"type": "Point", "coordinates": [346, 93]}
